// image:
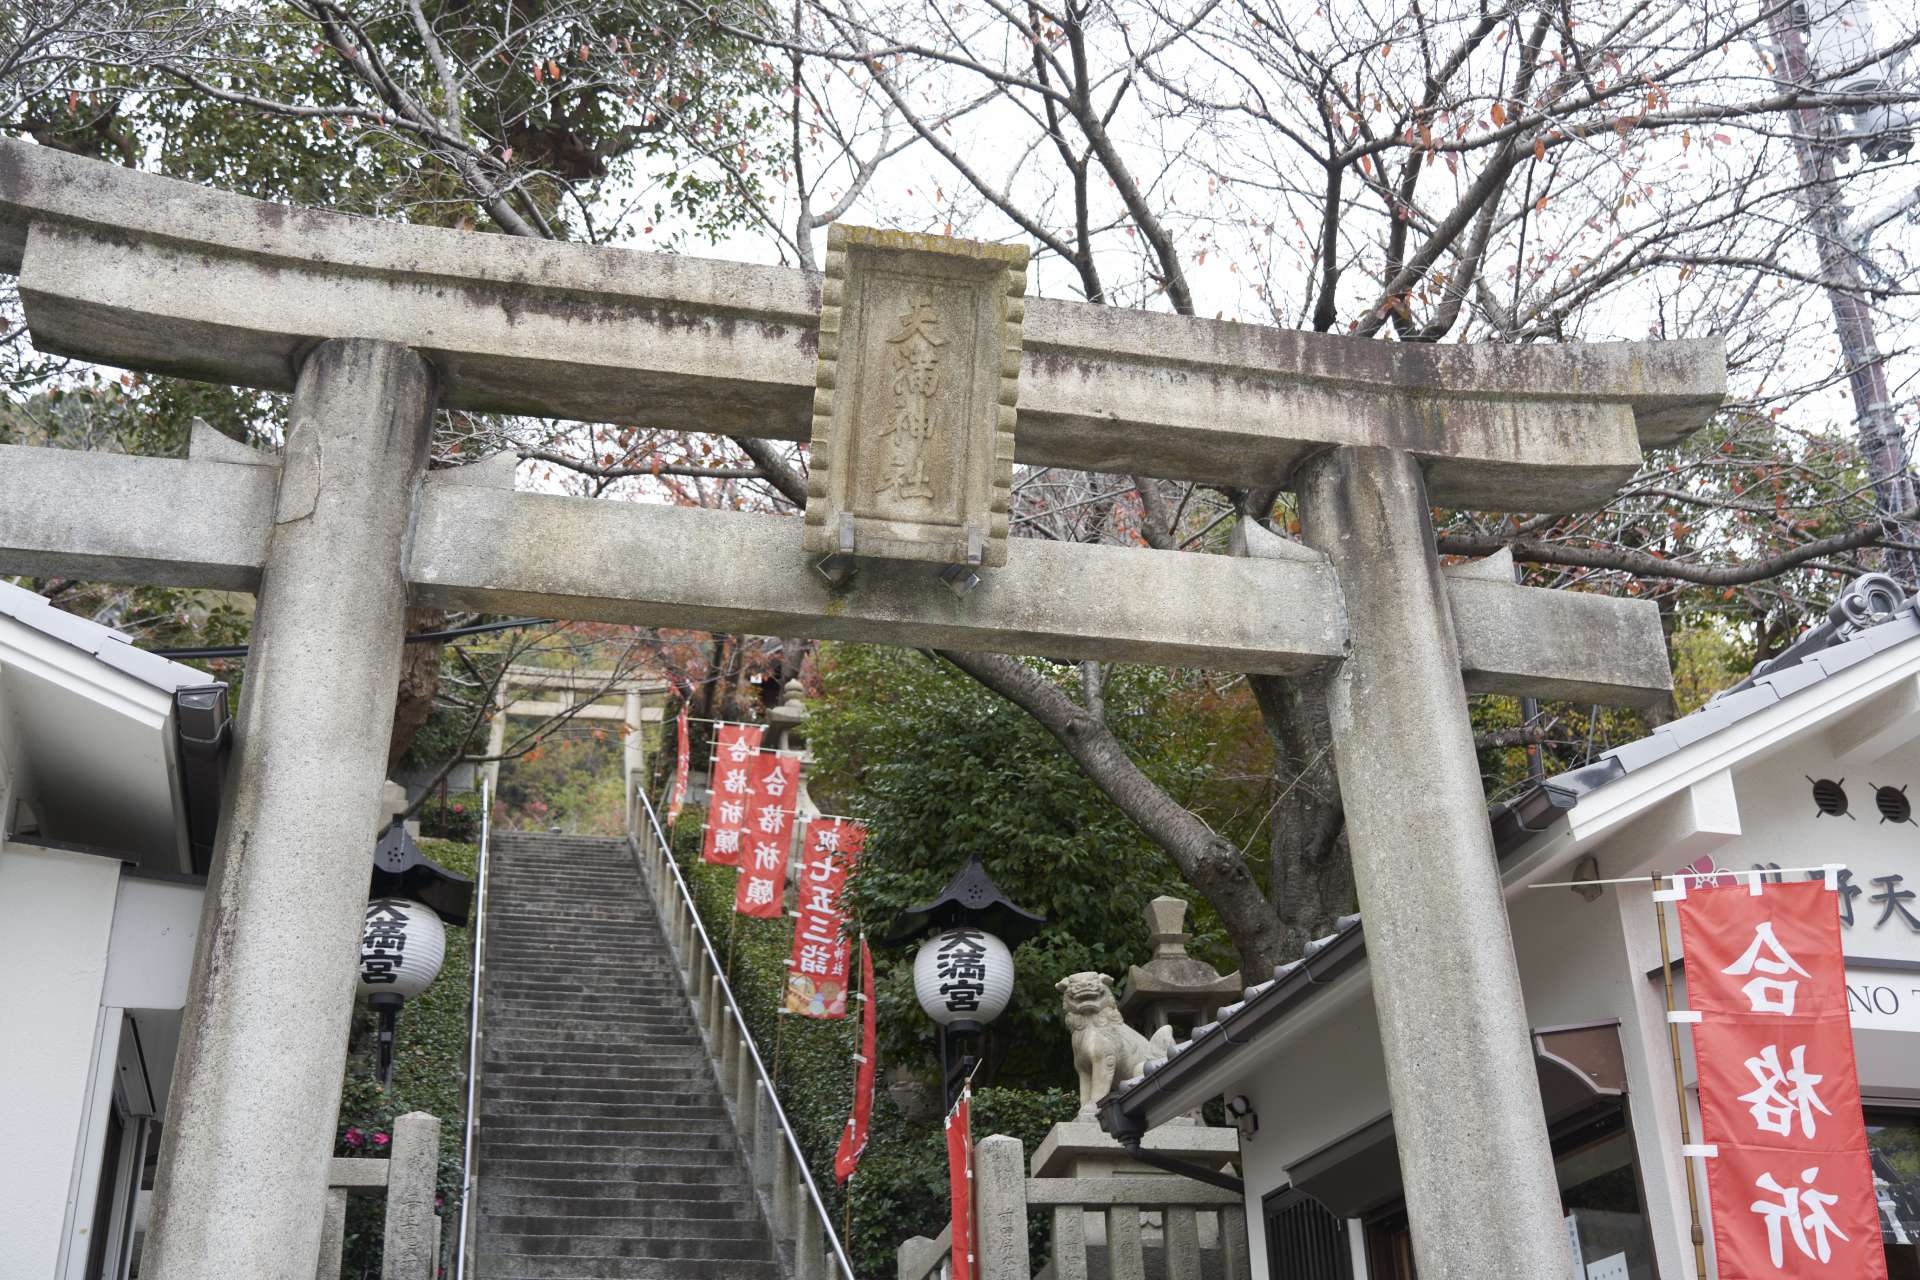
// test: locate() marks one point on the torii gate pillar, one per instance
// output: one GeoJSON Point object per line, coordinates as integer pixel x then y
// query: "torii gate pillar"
{"type": "Point", "coordinates": [1481, 1197]}
{"type": "Point", "coordinates": [256, 1087]}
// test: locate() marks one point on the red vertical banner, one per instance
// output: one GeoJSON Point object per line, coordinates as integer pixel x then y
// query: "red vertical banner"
{"type": "Point", "coordinates": [853, 1139]}
{"type": "Point", "coordinates": [1788, 1177]}
{"type": "Point", "coordinates": [768, 835]}
{"type": "Point", "coordinates": [960, 1185]}
{"type": "Point", "coordinates": [817, 969]}
{"type": "Point", "coordinates": [734, 746]}
{"type": "Point", "coordinates": [681, 760]}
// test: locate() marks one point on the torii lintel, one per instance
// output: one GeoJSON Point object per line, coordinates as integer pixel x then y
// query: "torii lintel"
{"type": "Point", "coordinates": [144, 272]}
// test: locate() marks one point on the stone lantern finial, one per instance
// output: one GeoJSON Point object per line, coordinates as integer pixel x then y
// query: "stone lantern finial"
{"type": "Point", "coordinates": [1166, 925]}
{"type": "Point", "coordinates": [1172, 988]}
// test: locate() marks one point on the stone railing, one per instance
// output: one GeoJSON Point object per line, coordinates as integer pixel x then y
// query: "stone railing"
{"type": "Point", "coordinates": [1116, 1227]}
{"type": "Point", "coordinates": [789, 1199]}
{"type": "Point", "coordinates": [407, 1177]}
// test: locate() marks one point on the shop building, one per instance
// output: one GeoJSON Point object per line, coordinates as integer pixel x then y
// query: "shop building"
{"type": "Point", "coordinates": [1816, 760]}
{"type": "Point", "coordinates": [111, 765]}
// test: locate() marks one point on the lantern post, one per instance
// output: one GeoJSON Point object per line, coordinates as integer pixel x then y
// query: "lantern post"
{"type": "Point", "coordinates": [404, 941]}
{"type": "Point", "coordinates": [963, 975]}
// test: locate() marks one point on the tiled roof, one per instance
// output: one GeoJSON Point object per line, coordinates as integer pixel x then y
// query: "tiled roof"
{"type": "Point", "coordinates": [1873, 615]}
{"type": "Point", "coordinates": [104, 644]}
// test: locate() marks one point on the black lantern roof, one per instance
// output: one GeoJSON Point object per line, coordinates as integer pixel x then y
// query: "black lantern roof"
{"type": "Point", "coordinates": [401, 870]}
{"type": "Point", "coordinates": [972, 899]}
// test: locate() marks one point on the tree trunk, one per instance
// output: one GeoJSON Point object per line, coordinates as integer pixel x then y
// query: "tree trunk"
{"type": "Point", "coordinates": [1211, 863]}
{"type": "Point", "coordinates": [419, 683]}
{"type": "Point", "coordinates": [1310, 880]}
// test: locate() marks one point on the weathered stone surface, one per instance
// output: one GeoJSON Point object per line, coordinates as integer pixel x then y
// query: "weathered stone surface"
{"type": "Point", "coordinates": [1575, 642]}
{"type": "Point", "coordinates": [1105, 1049]}
{"type": "Point", "coordinates": [913, 403]}
{"type": "Point", "coordinates": [1000, 1192]}
{"type": "Point", "coordinates": [135, 270]}
{"type": "Point", "coordinates": [145, 520]}
{"type": "Point", "coordinates": [1477, 1167]}
{"type": "Point", "coordinates": [1082, 1149]}
{"type": "Point", "coordinates": [178, 523]}
{"type": "Point", "coordinates": [1172, 984]}
{"type": "Point", "coordinates": [729, 571]}
{"type": "Point", "coordinates": [247, 1150]}
{"type": "Point", "coordinates": [411, 1226]}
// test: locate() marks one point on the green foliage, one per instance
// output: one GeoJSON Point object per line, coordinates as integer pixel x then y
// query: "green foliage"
{"type": "Point", "coordinates": [900, 1188]}
{"type": "Point", "coordinates": [449, 731]}
{"type": "Point", "coordinates": [429, 1074]}
{"type": "Point", "coordinates": [457, 819]}
{"type": "Point", "coordinates": [573, 779]}
{"type": "Point", "coordinates": [1706, 659]}
{"type": "Point", "coordinates": [942, 770]}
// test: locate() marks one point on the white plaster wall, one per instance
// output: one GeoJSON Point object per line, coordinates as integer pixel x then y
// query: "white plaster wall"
{"type": "Point", "coordinates": [56, 914]}
{"type": "Point", "coordinates": [1329, 1081]}
{"type": "Point", "coordinates": [12, 762]}
{"type": "Point", "coordinates": [1777, 824]}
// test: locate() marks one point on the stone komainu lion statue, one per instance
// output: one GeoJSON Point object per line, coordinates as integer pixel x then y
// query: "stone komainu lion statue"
{"type": "Point", "coordinates": [1105, 1049]}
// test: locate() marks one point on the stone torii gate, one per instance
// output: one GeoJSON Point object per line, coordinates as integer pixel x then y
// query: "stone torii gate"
{"type": "Point", "coordinates": [371, 325]}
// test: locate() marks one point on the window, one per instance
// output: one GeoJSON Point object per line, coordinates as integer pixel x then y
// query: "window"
{"type": "Point", "coordinates": [1304, 1240]}
{"type": "Point", "coordinates": [1599, 1193]}
{"type": "Point", "coordinates": [1893, 1145]}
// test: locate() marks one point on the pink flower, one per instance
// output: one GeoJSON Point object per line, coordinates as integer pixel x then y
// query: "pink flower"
{"type": "Point", "coordinates": [352, 1136]}
{"type": "Point", "coordinates": [459, 808]}
{"type": "Point", "coordinates": [381, 1139]}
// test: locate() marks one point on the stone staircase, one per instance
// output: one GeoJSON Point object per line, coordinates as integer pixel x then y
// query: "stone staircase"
{"type": "Point", "coordinates": [604, 1148]}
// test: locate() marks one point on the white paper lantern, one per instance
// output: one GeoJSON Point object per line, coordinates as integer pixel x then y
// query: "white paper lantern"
{"type": "Point", "coordinates": [963, 975]}
{"type": "Point", "coordinates": [401, 947]}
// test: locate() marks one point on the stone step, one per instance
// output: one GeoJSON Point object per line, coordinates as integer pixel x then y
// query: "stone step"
{"type": "Point", "coordinates": [600, 1128]}
{"type": "Point", "coordinates": [544, 1093]}
{"type": "Point", "coordinates": [659, 997]}
{"type": "Point", "coordinates": [534, 1181]}
{"type": "Point", "coordinates": [653, 1208]}
{"type": "Point", "coordinates": [592, 1148]}
{"type": "Point", "coordinates": [604, 1147]}
{"type": "Point", "coordinates": [611, 1113]}
{"type": "Point", "coordinates": [543, 1051]}
{"type": "Point", "coordinates": [541, 1055]}
{"type": "Point", "coordinates": [632, 1246]}
{"type": "Point", "coordinates": [522, 1175]}
{"type": "Point", "coordinates": [633, 1082]}
{"type": "Point", "coordinates": [548, 1038]}
{"type": "Point", "coordinates": [501, 1265]}
{"type": "Point", "coordinates": [672, 1232]}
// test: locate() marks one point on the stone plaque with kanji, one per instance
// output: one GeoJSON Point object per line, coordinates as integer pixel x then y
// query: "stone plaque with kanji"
{"type": "Point", "coordinates": [914, 400]}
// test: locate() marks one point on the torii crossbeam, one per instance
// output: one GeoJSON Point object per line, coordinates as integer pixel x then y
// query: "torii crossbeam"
{"type": "Point", "coordinates": [371, 325]}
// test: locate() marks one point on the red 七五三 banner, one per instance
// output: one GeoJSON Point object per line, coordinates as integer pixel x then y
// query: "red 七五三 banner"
{"type": "Point", "coordinates": [817, 968]}
{"type": "Point", "coordinates": [1789, 1182]}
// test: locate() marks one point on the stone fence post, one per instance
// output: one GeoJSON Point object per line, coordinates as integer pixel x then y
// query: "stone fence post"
{"type": "Point", "coordinates": [412, 1171]}
{"type": "Point", "coordinates": [1000, 1207]}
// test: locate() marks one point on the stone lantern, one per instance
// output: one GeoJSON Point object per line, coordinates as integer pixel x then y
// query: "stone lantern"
{"type": "Point", "coordinates": [1174, 989]}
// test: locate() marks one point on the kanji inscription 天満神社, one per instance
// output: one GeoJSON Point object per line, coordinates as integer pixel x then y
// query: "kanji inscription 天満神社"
{"type": "Point", "coordinates": [918, 380]}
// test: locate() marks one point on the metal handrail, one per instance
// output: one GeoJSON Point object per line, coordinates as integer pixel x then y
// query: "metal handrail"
{"type": "Point", "coordinates": [473, 1025]}
{"type": "Point", "coordinates": [746, 1036]}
